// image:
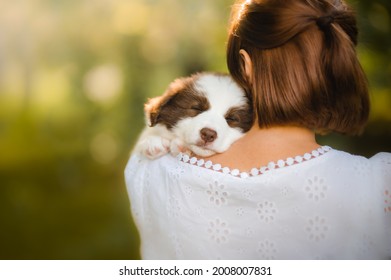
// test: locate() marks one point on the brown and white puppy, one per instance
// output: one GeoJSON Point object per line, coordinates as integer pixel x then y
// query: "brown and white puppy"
{"type": "Point", "coordinates": [202, 114]}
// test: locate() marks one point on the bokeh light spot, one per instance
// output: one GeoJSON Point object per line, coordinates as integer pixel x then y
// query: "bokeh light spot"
{"type": "Point", "coordinates": [103, 84]}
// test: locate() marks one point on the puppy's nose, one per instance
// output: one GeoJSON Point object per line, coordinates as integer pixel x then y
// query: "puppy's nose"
{"type": "Point", "coordinates": [208, 135]}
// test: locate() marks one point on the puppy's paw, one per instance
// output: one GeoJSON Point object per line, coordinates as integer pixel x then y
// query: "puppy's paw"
{"type": "Point", "coordinates": [154, 147]}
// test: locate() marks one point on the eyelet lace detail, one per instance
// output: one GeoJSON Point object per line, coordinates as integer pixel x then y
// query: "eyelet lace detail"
{"type": "Point", "coordinates": [254, 171]}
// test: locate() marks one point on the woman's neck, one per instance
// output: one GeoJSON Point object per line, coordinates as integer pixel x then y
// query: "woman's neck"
{"type": "Point", "coordinates": [280, 136]}
{"type": "Point", "coordinates": [261, 145]}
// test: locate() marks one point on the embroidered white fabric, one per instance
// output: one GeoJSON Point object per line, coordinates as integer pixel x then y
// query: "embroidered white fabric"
{"type": "Point", "coordinates": [326, 204]}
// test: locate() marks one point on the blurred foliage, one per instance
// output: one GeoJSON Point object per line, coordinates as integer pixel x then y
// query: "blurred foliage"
{"type": "Point", "coordinates": [74, 75]}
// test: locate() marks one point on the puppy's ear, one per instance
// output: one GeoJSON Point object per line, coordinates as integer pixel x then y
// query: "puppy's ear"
{"type": "Point", "coordinates": [152, 110]}
{"type": "Point", "coordinates": [154, 107]}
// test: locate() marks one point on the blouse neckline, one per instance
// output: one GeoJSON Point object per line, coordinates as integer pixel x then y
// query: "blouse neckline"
{"type": "Point", "coordinates": [207, 164]}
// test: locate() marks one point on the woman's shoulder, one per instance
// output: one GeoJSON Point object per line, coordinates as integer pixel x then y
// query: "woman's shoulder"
{"type": "Point", "coordinates": [138, 164]}
{"type": "Point", "coordinates": [381, 159]}
{"type": "Point", "coordinates": [375, 168]}
{"type": "Point", "coordinates": [345, 155]}
{"type": "Point", "coordinates": [382, 166]}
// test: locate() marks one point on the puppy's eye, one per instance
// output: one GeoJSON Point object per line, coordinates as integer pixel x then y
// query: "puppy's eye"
{"type": "Point", "coordinates": [231, 119]}
{"type": "Point", "coordinates": [196, 108]}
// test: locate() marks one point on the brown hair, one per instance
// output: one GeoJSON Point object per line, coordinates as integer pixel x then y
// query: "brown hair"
{"type": "Point", "coordinates": [305, 69]}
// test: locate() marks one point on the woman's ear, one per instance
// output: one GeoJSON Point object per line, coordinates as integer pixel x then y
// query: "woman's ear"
{"type": "Point", "coordinates": [248, 66]}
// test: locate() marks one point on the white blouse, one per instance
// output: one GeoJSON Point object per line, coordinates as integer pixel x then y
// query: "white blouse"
{"type": "Point", "coordinates": [326, 204]}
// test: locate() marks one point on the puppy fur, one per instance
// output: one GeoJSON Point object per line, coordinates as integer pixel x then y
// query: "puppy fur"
{"type": "Point", "coordinates": [202, 114]}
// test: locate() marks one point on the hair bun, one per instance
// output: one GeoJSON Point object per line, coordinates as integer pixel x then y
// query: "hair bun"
{"type": "Point", "coordinates": [324, 22]}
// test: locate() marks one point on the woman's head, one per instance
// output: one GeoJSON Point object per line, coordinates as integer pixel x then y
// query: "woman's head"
{"type": "Point", "coordinates": [297, 58]}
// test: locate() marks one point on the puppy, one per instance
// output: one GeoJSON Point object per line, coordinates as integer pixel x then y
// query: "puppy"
{"type": "Point", "coordinates": [202, 114]}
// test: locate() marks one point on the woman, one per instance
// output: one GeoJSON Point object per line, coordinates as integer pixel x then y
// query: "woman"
{"type": "Point", "coordinates": [285, 197]}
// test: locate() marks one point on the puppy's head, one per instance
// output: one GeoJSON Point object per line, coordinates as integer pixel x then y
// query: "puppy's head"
{"type": "Point", "coordinates": [208, 112]}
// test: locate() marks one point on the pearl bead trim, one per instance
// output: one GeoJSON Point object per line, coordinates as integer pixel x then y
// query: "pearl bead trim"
{"type": "Point", "coordinates": [254, 171]}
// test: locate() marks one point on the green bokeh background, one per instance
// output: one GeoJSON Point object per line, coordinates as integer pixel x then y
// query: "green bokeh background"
{"type": "Point", "coordinates": [74, 75]}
